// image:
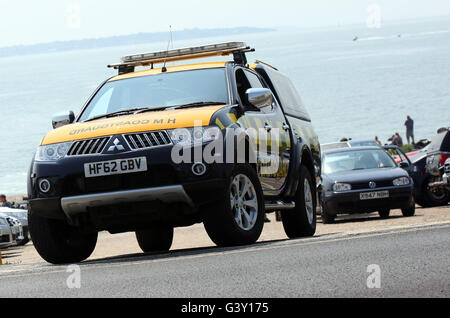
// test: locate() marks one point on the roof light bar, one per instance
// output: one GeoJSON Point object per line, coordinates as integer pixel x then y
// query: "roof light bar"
{"type": "Point", "coordinates": [238, 49]}
{"type": "Point", "coordinates": [184, 52]}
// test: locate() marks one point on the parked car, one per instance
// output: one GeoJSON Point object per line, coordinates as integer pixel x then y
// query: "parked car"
{"type": "Point", "coordinates": [116, 166]}
{"type": "Point", "coordinates": [6, 236]}
{"type": "Point", "coordinates": [22, 216]}
{"type": "Point", "coordinates": [430, 162]}
{"type": "Point", "coordinates": [446, 176]}
{"type": "Point", "coordinates": [364, 180]}
{"type": "Point", "coordinates": [15, 226]}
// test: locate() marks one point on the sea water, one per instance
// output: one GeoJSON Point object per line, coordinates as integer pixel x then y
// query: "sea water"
{"type": "Point", "coordinates": [355, 89]}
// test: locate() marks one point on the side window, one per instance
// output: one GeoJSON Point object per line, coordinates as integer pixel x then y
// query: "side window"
{"type": "Point", "coordinates": [246, 80]}
{"type": "Point", "coordinates": [286, 93]}
{"type": "Point", "coordinates": [254, 80]}
{"type": "Point", "coordinates": [242, 84]}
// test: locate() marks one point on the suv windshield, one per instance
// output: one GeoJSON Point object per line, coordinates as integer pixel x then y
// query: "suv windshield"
{"type": "Point", "coordinates": [357, 160]}
{"type": "Point", "coordinates": [159, 91]}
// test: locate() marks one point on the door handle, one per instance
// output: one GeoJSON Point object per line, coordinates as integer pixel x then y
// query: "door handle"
{"type": "Point", "coordinates": [268, 127]}
{"type": "Point", "coordinates": [286, 127]}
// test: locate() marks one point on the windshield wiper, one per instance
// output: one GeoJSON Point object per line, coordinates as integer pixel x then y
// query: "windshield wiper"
{"type": "Point", "coordinates": [153, 109]}
{"type": "Point", "coordinates": [198, 104]}
{"type": "Point", "coordinates": [115, 114]}
{"type": "Point", "coordinates": [127, 112]}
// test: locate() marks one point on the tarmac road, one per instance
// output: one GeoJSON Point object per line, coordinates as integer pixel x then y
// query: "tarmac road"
{"type": "Point", "coordinates": [414, 262]}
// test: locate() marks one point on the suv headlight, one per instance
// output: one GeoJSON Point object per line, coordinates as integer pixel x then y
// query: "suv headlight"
{"type": "Point", "coordinates": [341, 187]}
{"type": "Point", "coordinates": [52, 152]}
{"type": "Point", "coordinates": [191, 136]}
{"type": "Point", "coordinates": [401, 181]}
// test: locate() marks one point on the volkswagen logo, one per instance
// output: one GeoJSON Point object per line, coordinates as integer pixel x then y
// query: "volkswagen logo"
{"type": "Point", "coordinates": [372, 185]}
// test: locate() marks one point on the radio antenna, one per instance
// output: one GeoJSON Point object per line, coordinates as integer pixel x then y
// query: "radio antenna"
{"type": "Point", "coordinates": [164, 69]}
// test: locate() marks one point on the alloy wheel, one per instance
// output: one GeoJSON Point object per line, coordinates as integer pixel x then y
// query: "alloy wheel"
{"type": "Point", "coordinates": [244, 202]}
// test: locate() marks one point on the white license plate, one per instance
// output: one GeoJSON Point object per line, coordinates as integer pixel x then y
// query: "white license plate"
{"type": "Point", "coordinates": [375, 195]}
{"type": "Point", "coordinates": [120, 166]}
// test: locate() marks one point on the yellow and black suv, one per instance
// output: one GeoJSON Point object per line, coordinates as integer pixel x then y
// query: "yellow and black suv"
{"type": "Point", "coordinates": [218, 143]}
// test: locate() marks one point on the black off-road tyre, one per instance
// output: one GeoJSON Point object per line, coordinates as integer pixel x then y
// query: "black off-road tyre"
{"type": "Point", "coordinates": [59, 243]}
{"type": "Point", "coordinates": [157, 239]}
{"type": "Point", "coordinates": [302, 221]}
{"type": "Point", "coordinates": [220, 218]}
{"type": "Point", "coordinates": [384, 214]}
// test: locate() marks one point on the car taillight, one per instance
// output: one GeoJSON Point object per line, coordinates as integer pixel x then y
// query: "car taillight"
{"type": "Point", "coordinates": [444, 159]}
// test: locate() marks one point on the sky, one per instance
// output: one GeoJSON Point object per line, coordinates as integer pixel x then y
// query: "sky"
{"type": "Point", "coordinates": [30, 22]}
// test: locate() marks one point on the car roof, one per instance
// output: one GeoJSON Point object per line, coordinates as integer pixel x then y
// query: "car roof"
{"type": "Point", "coordinates": [170, 69]}
{"type": "Point", "coordinates": [342, 150]}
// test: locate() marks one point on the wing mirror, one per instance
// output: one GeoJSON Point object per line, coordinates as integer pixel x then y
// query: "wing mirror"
{"type": "Point", "coordinates": [63, 119]}
{"type": "Point", "coordinates": [259, 97]}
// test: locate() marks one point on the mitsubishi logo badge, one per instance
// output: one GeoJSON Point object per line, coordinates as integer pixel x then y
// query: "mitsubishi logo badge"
{"type": "Point", "coordinates": [116, 146]}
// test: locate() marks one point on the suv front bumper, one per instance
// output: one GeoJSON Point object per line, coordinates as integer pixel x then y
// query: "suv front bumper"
{"type": "Point", "coordinates": [164, 182]}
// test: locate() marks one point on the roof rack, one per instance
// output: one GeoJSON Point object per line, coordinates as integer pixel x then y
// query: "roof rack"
{"type": "Point", "coordinates": [266, 64]}
{"type": "Point", "coordinates": [238, 49]}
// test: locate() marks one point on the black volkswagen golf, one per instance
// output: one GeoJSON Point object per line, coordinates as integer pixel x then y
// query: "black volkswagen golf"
{"type": "Point", "coordinates": [364, 180]}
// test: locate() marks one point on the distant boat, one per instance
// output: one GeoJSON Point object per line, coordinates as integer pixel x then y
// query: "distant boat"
{"type": "Point", "coordinates": [355, 39]}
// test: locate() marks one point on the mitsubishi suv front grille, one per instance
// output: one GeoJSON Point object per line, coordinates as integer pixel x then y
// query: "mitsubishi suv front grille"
{"type": "Point", "coordinates": [147, 140]}
{"type": "Point", "coordinates": [88, 147]}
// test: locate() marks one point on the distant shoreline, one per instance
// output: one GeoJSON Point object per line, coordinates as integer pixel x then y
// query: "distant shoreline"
{"type": "Point", "coordinates": [132, 39]}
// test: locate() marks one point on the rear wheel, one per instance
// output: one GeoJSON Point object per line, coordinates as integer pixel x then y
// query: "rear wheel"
{"type": "Point", "coordinates": [59, 243]}
{"type": "Point", "coordinates": [156, 239]}
{"type": "Point", "coordinates": [301, 221]}
{"type": "Point", "coordinates": [237, 218]}
{"type": "Point", "coordinates": [435, 198]}
{"type": "Point", "coordinates": [385, 213]}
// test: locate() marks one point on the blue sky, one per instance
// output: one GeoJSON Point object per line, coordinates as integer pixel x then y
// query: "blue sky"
{"type": "Point", "coordinates": [27, 22]}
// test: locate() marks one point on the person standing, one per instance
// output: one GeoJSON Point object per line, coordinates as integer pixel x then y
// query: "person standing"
{"type": "Point", "coordinates": [410, 129]}
{"type": "Point", "coordinates": [3, 202]}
